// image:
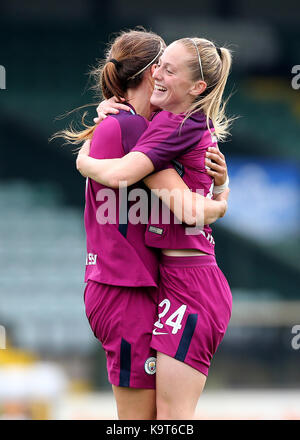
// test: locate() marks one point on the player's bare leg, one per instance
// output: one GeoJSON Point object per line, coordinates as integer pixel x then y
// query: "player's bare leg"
{"type": "Point", "coordinates": [178, 388]}
{"type": "Point", "coordinates": [135, 404]}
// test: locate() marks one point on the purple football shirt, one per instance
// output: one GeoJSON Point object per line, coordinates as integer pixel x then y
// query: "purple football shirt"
{"type": "Point", "coordinates": [116, 251]}
{"type": "Point", "coordinates": [167, 140]}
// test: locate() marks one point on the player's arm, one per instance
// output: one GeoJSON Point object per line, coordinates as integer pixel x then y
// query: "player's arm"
{"type": "Point", "coordinates": [114, 173]}
{"type": "Point", "coordinates": [157, 146]}
{"type": "Point", "coordinates": [189, 207]}
{"type": "Point", "coordinates": [133, 167]}
{"type": "Point", "coordinates": [154, 150]}
{"type": "Point", "coordinates": [215, 161]}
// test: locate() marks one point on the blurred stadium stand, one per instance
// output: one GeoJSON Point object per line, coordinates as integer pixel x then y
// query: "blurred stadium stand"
{"type": "Point", "coordinates": [41, 276]}
{"type": "Point", "coordinates": [47, 52]}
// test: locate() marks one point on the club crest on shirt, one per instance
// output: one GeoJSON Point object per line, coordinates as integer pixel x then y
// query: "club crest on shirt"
{"type": "Point", "coordinates": [150, 365]}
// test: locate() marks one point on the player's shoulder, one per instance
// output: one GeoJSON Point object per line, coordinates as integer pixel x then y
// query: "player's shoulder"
{"type": "Point", "coordinates": [107, 125]}
{"type": "Point", "coordinates": [128, 117]}
{"type": "Point", "coordinates": [165, 122]}
{"type": "Point", "coordinates": [117, 123]}
{"type": "Point", "coordinates": [197, 120]}
{"type": "Point", "coordinates": [164, 116]}
{"type": "Point", "coordinates": [130, 123]}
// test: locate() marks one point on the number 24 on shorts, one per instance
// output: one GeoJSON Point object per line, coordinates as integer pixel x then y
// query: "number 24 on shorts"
{"type": "Point", "coordinates": [173, 320]}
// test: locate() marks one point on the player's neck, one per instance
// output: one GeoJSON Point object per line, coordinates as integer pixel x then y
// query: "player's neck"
{"type": "Point", "coordinates": [140, 100]}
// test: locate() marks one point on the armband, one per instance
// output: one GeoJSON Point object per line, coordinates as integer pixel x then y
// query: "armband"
{"type": "Point", "coordinates": [220, 188]}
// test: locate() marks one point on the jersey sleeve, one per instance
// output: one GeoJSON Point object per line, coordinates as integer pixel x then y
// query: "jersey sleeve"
{"type": "Point", "coordinates": [166, 138]}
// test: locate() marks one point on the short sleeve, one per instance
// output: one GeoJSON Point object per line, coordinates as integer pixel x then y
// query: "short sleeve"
{"type": "Point", "coordinates": [167, 138]}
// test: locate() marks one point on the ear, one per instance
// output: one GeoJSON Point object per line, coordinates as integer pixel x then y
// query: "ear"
{"type": "Point", "coordinates": [152, 68]}
{"type": "Point", "coordinates": [198, 88]}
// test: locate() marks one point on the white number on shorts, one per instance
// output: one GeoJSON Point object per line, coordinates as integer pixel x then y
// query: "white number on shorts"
{"type": "Point", "coordinates": [167, 305]}
{"type": "Point", "coordinates": [178, 315]}
{"type": "Point", "coordinates": [174, 320]}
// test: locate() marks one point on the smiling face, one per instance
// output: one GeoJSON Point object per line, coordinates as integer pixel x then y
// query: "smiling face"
{"type": "Point", "coordinates": [174, 90]}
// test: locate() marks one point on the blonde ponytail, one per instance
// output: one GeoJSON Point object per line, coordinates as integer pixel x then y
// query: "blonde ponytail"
{"type": "Point", "coordinates": [216, 65]}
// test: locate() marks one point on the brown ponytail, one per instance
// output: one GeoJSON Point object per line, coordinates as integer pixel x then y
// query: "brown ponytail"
{"type": "Point", "coordinates": [127, 58]}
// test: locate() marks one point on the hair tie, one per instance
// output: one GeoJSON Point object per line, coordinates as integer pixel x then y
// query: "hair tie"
{"type": "Point", "coordinates": [219, 52]}
{"type": "Point", "coordinates": [115, 62]}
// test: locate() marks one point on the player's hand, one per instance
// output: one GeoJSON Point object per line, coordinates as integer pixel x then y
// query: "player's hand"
{"type": "Point", "coordinates": [215, 160]}
{"type": "Point", "coordinates": [109, 106]}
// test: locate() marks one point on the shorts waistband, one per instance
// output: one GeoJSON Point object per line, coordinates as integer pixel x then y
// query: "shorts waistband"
{"type": "Point", "coordinates": [199, 260]}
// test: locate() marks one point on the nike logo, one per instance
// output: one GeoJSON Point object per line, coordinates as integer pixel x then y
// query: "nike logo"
{"type": "Point", "coordinates": [156, 332]}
